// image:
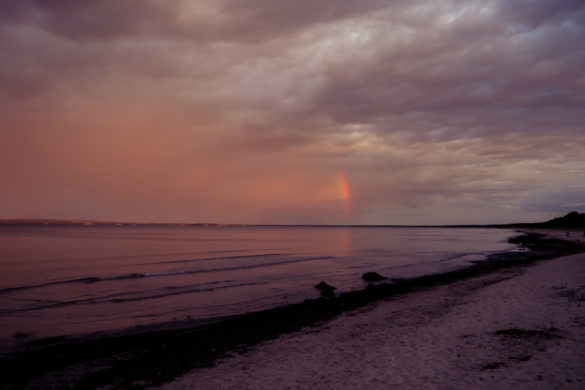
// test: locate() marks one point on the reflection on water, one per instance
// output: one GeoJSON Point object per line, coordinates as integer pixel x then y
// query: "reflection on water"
{"type": "Point", "coordinates": [345, 241]}
{"type": "Point", "coordinates": [75, 279]}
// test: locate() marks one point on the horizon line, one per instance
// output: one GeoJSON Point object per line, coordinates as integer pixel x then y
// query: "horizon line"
{"type": "Point", "coordinates": [90, 222]}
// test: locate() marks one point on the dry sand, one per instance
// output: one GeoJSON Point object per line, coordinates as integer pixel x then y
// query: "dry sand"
{"type": "Point", "coordinates": [519, 328]}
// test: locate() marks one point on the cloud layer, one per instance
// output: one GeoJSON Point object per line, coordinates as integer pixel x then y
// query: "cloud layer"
{"type": "Point", "coordinates": [247, 111]}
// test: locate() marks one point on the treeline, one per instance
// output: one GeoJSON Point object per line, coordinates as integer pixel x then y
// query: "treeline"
{"type": "Point", "coordinates": [571, 220]}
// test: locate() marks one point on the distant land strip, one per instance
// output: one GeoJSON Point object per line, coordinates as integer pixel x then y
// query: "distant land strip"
{"type": "Point", "coordinates": [572, 220]}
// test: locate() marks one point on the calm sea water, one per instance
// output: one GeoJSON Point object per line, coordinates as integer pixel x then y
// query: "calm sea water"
{"type": "Point", "coordinates": [75, 279]}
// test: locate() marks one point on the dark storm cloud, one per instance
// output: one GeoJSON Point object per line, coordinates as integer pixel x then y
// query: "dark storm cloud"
{"type": "Point", "coordinates": [490, 82]}
{"type": "Point", "coordinates": [541, 12]}
{"type": "Point", "coordinates": [228, 20]}
{"type": "Point", "coordinates": [87, 19]}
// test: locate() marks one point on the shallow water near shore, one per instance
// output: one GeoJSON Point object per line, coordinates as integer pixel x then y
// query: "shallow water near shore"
{"type": "Point", "coordinates": [75, 279]}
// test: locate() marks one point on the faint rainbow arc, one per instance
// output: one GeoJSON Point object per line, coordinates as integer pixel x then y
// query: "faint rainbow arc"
{"type": "Point", "coordinates": [344, 191]}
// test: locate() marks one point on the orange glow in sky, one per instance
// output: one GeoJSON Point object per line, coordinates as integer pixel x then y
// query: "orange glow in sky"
{"type": "Point", "coordinates": [344, 191]}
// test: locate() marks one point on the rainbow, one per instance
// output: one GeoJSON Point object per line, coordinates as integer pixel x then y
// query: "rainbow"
{"type": "Point", "coordinates": [344, 192]}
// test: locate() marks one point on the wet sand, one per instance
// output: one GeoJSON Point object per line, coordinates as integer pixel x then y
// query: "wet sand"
{"type": "Point", "coordinates": [515, 328]}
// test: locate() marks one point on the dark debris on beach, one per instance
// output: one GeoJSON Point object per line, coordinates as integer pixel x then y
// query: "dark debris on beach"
{"type": "Point", "coordinates": [153, 357]}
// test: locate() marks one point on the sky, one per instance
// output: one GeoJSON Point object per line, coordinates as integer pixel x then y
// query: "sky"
{"type": "Point", "coordinates": [292, 112]}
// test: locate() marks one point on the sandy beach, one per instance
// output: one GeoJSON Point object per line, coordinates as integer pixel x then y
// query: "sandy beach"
{"type": "Point", "coordinates": [516, 328]}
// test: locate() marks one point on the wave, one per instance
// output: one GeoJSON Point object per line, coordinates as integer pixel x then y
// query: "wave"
{"type": "Point", "coordinates": [216, 258]}
{"type": "Point", "coordinates": [110, 298]}
{"type": "Point", "coordinates": [464, 256]}
{"type": "Point", "coordinates": [139, 275]}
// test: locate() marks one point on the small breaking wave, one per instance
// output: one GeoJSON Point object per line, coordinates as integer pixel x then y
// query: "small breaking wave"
{"type": "Point", "coordinates": [139, 275]}
{"type": "Point", "coordinates": [138, 296]}
{"type": "Point", "coordinates": [217, 258]}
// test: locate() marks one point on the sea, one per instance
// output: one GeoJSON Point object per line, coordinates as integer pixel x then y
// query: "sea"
{"type": "Point", "coordinates": [77, 280]}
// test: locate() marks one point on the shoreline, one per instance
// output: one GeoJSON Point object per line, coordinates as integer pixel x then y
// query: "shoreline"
{"type": "Point", "coordinates": [157, 356]}
{"type": "Point", "coordinates": [514, 328]}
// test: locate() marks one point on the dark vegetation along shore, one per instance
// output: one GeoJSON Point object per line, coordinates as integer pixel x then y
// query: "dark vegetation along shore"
{"type": "Point", "coordinates": [572, 220]}
{"type": "Point", "coordinates": [142, 358]}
